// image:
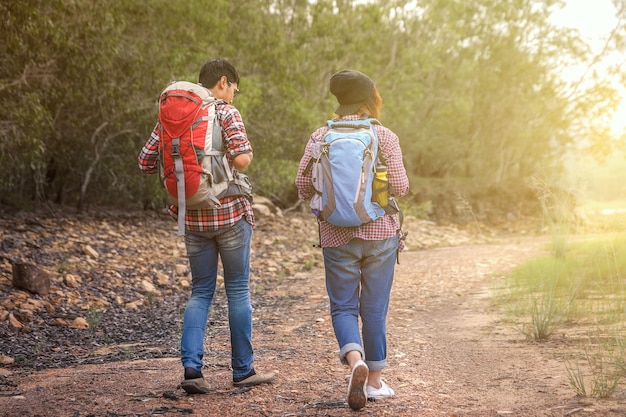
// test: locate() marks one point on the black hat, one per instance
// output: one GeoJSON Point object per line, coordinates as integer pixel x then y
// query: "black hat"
{"type": "Point", "coordinates": [352, 89]}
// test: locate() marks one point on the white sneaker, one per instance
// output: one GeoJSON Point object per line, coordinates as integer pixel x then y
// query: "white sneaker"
{"type": "Point", "coordinates": [379, 393]}
{"type": "Point", "coordinates": [357, 398]}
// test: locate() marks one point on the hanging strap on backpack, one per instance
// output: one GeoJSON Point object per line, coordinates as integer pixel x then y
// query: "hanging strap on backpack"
{"type": "Point", "coordinates": [401, 235]}
{"type": "Point", "coordinates": [180, 185]}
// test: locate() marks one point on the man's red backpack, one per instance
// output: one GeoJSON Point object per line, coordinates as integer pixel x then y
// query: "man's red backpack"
{"type": "Point", "coordinates": [194, 167]}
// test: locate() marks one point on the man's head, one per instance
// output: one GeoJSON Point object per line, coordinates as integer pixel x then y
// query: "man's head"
{"type": "Point", "coordinates": [213, 70]}
{"type": "Point", "coordinates": [353, 90]}
{"type": "Point", "coordinates": [221, 77]}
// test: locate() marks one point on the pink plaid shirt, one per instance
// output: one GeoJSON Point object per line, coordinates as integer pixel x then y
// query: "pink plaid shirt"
{"type": "Point", "coordinates": [233, 208]}
{"type": "Point", "coordinates": [384, 227]}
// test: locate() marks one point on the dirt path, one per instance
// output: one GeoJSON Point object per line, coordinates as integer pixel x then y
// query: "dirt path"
{"type": "Point", "coordinates": [449, 355]}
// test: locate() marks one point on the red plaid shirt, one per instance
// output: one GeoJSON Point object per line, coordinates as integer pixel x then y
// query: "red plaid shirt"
{"type": "Point", "coordinates": [384, 227]}
{"type": "Point", "coordinates": [233, 208]}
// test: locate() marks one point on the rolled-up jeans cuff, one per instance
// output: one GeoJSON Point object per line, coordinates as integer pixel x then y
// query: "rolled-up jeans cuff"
{"type": "Point", "coordinates": [349, 348]}
{"type": "Point", "coordinates": [376, 365]}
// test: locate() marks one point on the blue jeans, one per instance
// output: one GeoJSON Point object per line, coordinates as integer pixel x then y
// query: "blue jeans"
{"type": "Point", "coordinates": [359, 276]}
{"type": "Point", "coordinates": [232, 245]}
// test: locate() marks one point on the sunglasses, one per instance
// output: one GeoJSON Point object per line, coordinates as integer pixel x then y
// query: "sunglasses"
{"type": "Point", "coordinates": [236, 89]}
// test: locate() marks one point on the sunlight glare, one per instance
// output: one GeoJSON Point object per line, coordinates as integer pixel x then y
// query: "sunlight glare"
{"type": "Point", "coordinates": [594, 20]}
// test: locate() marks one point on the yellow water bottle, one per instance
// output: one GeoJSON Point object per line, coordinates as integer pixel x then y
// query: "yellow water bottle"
{"type": "Point", "coordinates": [380, 185]}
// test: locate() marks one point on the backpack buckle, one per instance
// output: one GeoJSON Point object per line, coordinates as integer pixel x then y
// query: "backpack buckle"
{"type": "Point", "coordinates": [176, 147]}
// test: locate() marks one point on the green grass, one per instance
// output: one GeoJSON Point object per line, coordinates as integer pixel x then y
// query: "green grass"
{"type": "Point", "coordinates": [579, 280]}
{"type": "Point", "coordinates": [580, 287]}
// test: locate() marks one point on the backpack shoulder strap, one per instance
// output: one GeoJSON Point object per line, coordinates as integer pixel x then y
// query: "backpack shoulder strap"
{"type": "Point", "coordinates": [337, 124]}
{"type": "Point", "coordinates": [218, 142]}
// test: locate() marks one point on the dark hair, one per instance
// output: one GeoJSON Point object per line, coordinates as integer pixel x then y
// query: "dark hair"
{"type": "Point", "coordinates": [373, 105]}
{"type": "Point", "coordinates": [214, 69]}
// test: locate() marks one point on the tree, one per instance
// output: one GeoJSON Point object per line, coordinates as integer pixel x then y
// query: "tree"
{"type": "Point", "coordinates": [473, 89]}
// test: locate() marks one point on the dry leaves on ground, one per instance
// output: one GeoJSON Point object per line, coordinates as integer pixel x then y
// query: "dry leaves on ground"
{"type": "Point", "coordinates": [449, 354]}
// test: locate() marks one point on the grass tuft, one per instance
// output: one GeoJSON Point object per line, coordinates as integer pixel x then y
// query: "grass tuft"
{"type": "Point", "coordinates": [581, 284]}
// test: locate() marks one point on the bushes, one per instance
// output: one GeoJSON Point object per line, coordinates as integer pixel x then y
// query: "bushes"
{"type": "Point", "coordinates": [274, 179]}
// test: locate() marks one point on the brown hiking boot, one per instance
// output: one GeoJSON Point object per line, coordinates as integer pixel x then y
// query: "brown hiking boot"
{"type": "Point", "coordinates": [256, 379]}
{"type": "Point", "coordinates": [195, 386]}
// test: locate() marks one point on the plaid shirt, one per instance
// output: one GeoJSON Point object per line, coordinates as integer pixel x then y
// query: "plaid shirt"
{"type": "Point", "coordinates": [233, 207]}
{"type": "Point", "coordinates": [380, 229]}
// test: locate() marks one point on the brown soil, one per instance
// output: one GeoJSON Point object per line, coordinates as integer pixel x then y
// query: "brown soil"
{"type": "Point", "coordinates": [450, 352]}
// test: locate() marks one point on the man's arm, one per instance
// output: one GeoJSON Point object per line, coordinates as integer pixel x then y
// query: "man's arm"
{"type": "Point", "coordinates": [148, 158]}
{"type": "Point", "coordinates": [242, 160]}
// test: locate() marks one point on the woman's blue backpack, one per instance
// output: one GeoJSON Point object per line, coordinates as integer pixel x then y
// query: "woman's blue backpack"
{"type": "Point", "coordinates": [343, 171]}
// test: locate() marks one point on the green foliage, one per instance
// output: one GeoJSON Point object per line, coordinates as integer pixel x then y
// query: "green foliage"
{"type": "Point", "coordinates": [533, 296]}
{"type": "Point", "coordinates": [581, 284]}
{"type": "Point", "coordinates": [94, 315]}
{"type": "Point", "coordinates": [599, 370]}
{"type": "Point", "coordinates": [576, 378]}
{"type": "Point", "coordinates": [582, 281]}
{"type": "Point", "coordinates": [558, 208]}
{"type": "Point", "coordinates": [422, 210]}
{"type": "Point", "coordinates": [585, 276]}
{"type": "Point", "coordinates": [603, 180]}
{"type": "Point", "coordinates": [471, 88]}
{"type": "Point", "coordinates": [274, 179]}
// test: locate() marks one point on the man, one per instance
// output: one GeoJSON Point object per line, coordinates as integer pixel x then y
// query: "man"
{"type": "Point", "coordinates": [222, 232]}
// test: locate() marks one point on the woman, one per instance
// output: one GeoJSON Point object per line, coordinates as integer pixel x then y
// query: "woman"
{"type": "Point", "coordinates": [359, 261]}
